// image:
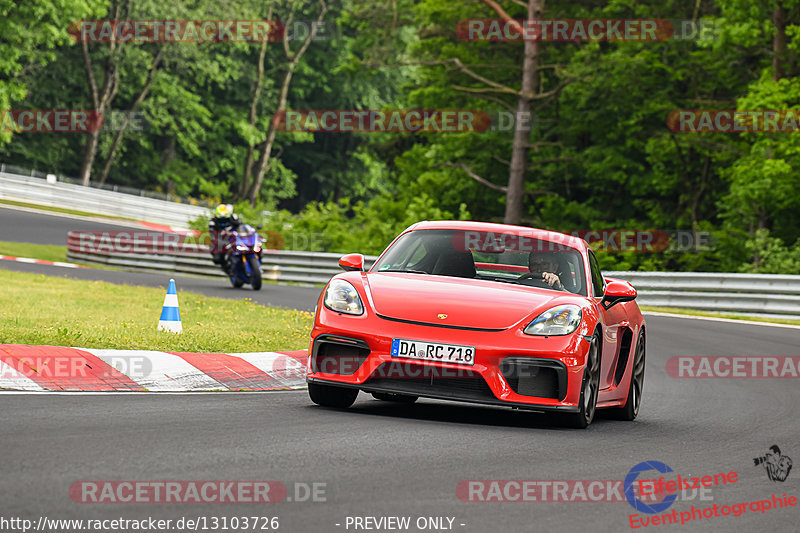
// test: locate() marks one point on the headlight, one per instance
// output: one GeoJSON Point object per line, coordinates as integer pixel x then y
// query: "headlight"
{"type": "Point", "coordinates": [561, 320]}
{"type": "Point", "coordinates": [341, 296]}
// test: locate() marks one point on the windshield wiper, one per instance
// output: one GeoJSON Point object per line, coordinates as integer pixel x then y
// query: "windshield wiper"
{"type": "Point", "coordinates": [405, 271]}
{"type": "Point", "coordinates": [503, 280]}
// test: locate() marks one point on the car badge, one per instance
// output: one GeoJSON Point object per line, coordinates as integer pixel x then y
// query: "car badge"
{"type": "Point", "coordinates": [442, 316]}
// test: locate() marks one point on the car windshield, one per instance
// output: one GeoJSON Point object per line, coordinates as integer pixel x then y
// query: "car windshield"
{"type": "Point", "coordinates": [492, 256]}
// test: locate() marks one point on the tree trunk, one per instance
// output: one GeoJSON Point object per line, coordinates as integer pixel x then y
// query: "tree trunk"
{"type": "Point", "coordinates": [112, 153]}
{"type": "Point", "coordinates": [778, 42]}
{"type": "Point", "coordinates": [294, 58]}
{"type": "Point", "coordinates": [248, 166]}
{"type": "Point", "coordinates": [89, 153]}
{"type": "Point", "coordinates": [522, 128]}
{"type": "Point", "coordinates": [101, 100]}
{"type": "Point", "coordinates": [263, 160]}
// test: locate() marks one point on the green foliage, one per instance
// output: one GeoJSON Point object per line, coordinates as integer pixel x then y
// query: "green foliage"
{"type": "Point", "coordinates": [364, 227]}
{"type": "Point", "coordinates": [31, 32]}
{"type": "Point", "coordinates": [773, 257]}
{"type": "Point", "coordinates": [601, 156]}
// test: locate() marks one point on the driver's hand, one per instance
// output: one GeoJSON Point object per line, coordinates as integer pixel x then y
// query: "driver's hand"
{"type": "Point", "coordinates": [551, 279]}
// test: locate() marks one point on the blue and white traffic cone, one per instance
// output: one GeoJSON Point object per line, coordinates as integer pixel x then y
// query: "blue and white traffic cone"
{"type": "Point", "coordinates": [170, 315]}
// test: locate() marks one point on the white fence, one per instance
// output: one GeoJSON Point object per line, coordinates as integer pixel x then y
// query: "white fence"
{"type": "Point", "coordinates": [70, 196]}
{"type": "Point", "coordinates": [742, 293]}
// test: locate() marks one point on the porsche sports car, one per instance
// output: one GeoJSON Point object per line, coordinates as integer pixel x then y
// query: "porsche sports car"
{"type": "Point", "coordinates": [483, 313]}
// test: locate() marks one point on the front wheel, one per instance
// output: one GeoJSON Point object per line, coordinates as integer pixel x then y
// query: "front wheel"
{"type": "Point", "coordinates": [255, 272]}
{"type": "Point", "coordinates": [331, 396]}
{"type": "Point", "coordinates": [233, 270]}
{"type": "Point", "coordinates": [590, 386]}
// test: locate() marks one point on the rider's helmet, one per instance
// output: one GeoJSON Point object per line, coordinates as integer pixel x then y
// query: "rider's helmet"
{"type": "Point", "coordinates": [223, 211]}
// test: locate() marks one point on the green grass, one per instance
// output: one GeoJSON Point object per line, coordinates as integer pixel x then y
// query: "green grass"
{"type": "Point", "coordinates": [49, 310]}
{"type": "Point", "coordinates": [48, 252]}
{"type": "Point", "coordinates": [63, 210]}
{"type": "Point", "coordinates": [693, 312]}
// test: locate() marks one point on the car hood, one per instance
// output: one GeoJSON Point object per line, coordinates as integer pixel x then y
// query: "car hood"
{"type": "Point", "coordinates": [467, 303]}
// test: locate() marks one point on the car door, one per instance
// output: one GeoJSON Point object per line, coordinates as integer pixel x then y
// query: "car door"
{"type": "Point", "coordinates": [611, 320]}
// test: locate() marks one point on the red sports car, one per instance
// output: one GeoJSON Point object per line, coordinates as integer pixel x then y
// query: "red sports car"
{"type": "Point", "coordinates": [483, 313]}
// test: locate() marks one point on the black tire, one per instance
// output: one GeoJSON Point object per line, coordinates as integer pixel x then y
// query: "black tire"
{"type": "Point", "coordinates": [231, 270]}
{"type": "Point", "coordinates": [590, 386]}
{"type": "Point", "coordinates": [255, 272]}
{"type": "Point", "coordinates": [397, 398]}
{"type": "Point", "coordinates": [634, 400]}
{"type": "Point", "coordinates": [331, 396]}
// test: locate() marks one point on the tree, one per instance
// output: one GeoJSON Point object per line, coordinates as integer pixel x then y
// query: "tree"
{"type": "Point", "coordinates": [293, 57]}
{"type": "Point", "coordinates": [31, 32]}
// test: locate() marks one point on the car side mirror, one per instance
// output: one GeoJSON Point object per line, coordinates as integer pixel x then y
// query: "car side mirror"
{"type": "Point", "coordinates": [617, 292]}
{"type": "Point", "coordinates": [352, 262]}
{"type": "Point", "coordinates": [260, 226]}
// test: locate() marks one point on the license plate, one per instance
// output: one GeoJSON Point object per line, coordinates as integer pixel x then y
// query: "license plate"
{"type": "Point", "coordinates": [433, 351]}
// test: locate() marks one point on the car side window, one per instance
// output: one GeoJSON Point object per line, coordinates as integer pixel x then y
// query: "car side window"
{"type": "Point", "coordinates": [597, 277]}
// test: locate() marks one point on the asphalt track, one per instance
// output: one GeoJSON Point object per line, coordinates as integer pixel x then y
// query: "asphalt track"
{"type": "Point", "coordinates": [20, 225]}
{"type": "Point", "coordinates": [378, 459]}
{"type": "Point", "coordinates": [40, 228]}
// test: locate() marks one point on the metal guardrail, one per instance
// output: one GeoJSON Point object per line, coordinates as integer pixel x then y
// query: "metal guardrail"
{"type": "Point", "coordinates": [70, 196]}
{"type": "Point", "coordinates": [277, 265]}
{"type": "Point", "coordinates": [767, 294]}
{"type": "Point", "coordinates": [712, 281]}
{"type": "Point", "coordinates": [742, 293]}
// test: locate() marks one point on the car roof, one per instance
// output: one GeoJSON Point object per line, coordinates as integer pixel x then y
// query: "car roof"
{"type": "Point", "coordinates": [534, 233]}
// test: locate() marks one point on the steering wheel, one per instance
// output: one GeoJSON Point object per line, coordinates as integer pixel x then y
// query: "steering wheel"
{"type": "Point", "coordinates": [536, 278]}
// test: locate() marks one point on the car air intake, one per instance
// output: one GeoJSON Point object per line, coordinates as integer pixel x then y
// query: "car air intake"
{"type": "Point", "coordinates": [542, 378]}
{"type": "Point", "coordinates": [338, 355]}
{"type": "Point", "coordinates": [624, 353]}
{"type": "Point", "coordinates": [409, 378]}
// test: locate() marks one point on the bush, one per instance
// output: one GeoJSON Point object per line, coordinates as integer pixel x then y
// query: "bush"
{"type": "Point", "coordinates": [771, 255]}
{"type": "Point", "coordinates": [339, 226]}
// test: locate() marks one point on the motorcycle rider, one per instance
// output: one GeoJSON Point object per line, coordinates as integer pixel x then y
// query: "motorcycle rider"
{"type": "Point", "coordinates": [223, 222]}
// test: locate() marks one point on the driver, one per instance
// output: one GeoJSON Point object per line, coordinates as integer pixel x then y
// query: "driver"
{"type": "Point", "coordinates": [546, 264]}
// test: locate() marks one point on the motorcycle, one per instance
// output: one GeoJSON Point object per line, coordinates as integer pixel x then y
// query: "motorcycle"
{"type": "Point", "coordinates": [244, 256]}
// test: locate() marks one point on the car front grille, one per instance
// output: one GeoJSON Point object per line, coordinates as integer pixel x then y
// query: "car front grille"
{"type": "Point", "coordinates": [466, 384]}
